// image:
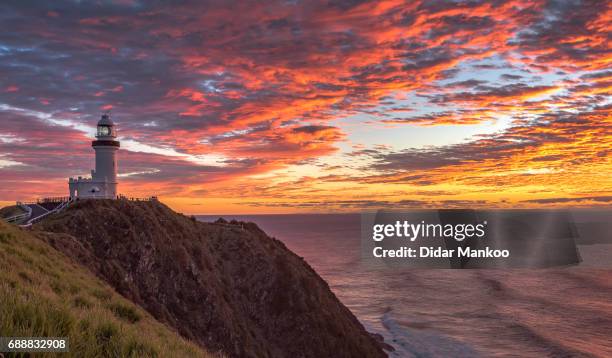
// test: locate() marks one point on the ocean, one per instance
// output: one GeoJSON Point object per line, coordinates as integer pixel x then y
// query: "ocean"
{"type": "Point", "coordinates": [561, 312]}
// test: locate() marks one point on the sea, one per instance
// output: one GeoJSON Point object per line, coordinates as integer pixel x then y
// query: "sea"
{"type": "Point", "coordinates": [559, 312]}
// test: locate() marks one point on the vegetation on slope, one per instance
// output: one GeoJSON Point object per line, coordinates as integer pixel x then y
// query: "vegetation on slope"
{"type": "Point", "coordinates": [227, 286]}
{"type": "Point", "coordinates": [45, 294]}
{"type": "Point", "coordinates": [8, 211]}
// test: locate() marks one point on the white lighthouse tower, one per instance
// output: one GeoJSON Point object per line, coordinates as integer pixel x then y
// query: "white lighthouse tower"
{"type": "Point", "coordinates": [103, 181]}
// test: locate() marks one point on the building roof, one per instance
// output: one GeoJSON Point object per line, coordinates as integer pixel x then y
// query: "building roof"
{"type": "Point", "coordinates": [106, 120]}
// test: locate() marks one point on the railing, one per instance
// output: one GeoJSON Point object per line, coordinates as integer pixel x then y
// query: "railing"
{"type": "Point", "coordinates": [62, 199]}
{"type": "Point", "coordinates": [19, 217]}
{"type": "Point", "coordinates": [133, 198]}
{"type": "Point", "coordinates": [59, 208]}
{"type": "Point", "coordinates": [52, 199]}
{"type": "Point", "coordinates": [64, 202]}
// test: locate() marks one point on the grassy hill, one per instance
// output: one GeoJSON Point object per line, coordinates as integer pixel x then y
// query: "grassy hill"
{"type": "Point", "coordinates": [227, 286]}
{"type": "Point", "coordinates": [125, 278]}
{"type": "Point", "coordinates": [43, 293]}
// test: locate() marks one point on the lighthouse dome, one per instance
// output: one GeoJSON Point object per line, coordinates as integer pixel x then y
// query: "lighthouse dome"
{"type": "Point", "coordinates": [106, 128]}
{"type": "Point", "coordinates": [106, 121]}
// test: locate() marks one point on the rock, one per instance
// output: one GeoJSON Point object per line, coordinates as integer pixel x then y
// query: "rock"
{"type": "Point", "coordinates": [381, 341]}
{"type": "Point", "coordinates": [227, 286]}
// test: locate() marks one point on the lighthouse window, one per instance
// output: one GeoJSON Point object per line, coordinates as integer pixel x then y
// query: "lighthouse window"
{"type": "Point", "coordinates": [103, 130]}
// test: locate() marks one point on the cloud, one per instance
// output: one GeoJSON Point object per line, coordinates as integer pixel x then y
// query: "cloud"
{"type": "Point", "coordinates": [457, 117]}
{"type": "Point", "coordinates": [261, 86]}
{"type": "Point", "coordinates": [602, 199]}
{"type": "Point", "coordinates": [564, 150]}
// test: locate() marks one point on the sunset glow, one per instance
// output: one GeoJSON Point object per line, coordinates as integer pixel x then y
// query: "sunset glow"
{"type": "Point", "coordinates": [313, 106]}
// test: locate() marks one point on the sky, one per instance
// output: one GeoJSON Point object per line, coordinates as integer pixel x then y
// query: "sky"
{"type": "Point", "coordinates": [235, 107]}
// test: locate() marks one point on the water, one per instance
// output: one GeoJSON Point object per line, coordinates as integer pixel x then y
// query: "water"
{"type": "Point", "coordinates": [563, 312]}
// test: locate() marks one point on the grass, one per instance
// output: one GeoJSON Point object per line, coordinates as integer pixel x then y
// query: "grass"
{"type": "Point", "coordinates": [8, 211]}
{"type": "Point", "coordinates": [45, 294]}
{"type": "Point", "coordinates": [125, 312]}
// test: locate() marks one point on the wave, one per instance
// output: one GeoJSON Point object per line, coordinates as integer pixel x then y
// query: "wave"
{"type": "Point", "coordinates": [411, 339]}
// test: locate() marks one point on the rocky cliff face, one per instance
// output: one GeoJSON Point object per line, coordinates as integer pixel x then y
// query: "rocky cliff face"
{"type": "Point", "coordinates": [230, 288]}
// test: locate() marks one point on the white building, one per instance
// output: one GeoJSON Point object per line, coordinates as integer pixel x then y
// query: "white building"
{"type": "Point", "coordinates": [103, 181]}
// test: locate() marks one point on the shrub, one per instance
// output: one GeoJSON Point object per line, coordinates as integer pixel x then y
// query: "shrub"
{"type": "Point", "coordinates": [125, 312]}
{"type": "Point", "coordinates": [5, 237]}
{"type": "Point", "coordinates": [102, 295]}
{"type": "Point", "coordinates": [81, 302]}
{"type": "Point", "coordinates": [135, 348]}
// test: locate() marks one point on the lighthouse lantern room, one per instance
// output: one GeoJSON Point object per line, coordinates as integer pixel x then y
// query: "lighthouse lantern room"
{"type": "Point", "coordinates": [103, 181]}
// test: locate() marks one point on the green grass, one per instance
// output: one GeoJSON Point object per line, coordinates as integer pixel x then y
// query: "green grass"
{"type": "Point", "coordinates": [8, 211]}
{"type": "Point", "coordinates": [44, 294]}
{"type": "Point", "coordinates": [125, 312]}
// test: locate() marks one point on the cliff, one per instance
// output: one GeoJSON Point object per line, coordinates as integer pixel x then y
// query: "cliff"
{"type": "Point", "coordinates": [43, 293]}
{"type": "Point", "coordinates": [230, 288]}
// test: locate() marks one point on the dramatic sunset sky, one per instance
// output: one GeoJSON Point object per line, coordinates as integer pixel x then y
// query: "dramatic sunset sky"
{"type": "Point", "coordinates": [312, 106]}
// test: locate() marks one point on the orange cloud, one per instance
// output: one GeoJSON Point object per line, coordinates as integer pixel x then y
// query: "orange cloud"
{"type": "Point", "coordinates": [262, 86]}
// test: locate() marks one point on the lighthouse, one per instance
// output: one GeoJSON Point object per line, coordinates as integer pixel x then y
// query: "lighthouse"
{"type": "Point", "coordinates": [103, 181]}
